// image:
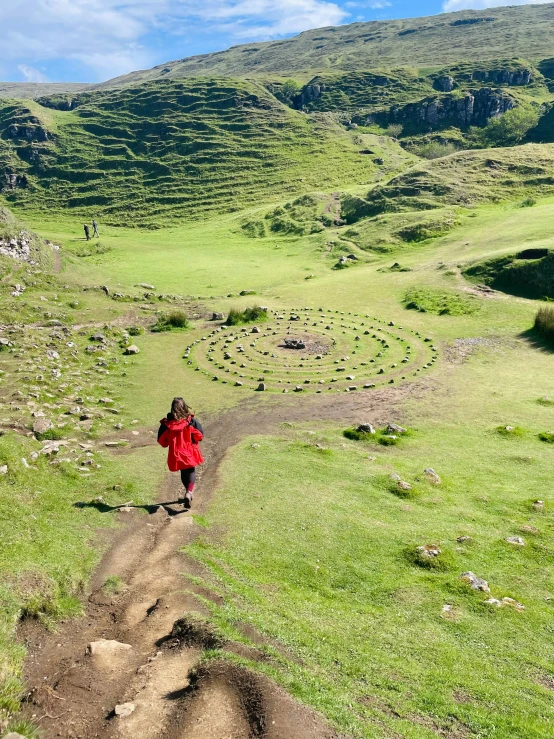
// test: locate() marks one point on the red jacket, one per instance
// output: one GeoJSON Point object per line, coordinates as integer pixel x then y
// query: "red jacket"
{"type": "Point", "coordinates": [181, 439]}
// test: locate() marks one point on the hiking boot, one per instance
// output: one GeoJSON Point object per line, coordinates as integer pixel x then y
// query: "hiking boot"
{"type": "Point", "coordinates": [187, 500]}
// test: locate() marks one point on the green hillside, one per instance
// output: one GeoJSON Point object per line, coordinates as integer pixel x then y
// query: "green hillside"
{"type": "Point", "coordinates": [170, 149]}
{"type": "Point", "coordinates": [438, 40]}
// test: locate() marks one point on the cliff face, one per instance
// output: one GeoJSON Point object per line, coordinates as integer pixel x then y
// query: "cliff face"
{"type": "Point", "coordinates": [474, 108]}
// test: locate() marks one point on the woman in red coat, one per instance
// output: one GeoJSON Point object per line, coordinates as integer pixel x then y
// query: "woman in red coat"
{"type": "Point", "coordinates": [180, 434]}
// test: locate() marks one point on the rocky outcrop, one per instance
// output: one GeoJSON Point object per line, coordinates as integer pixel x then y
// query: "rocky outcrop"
{"type": "Point", "coordinates": [511, 77]}
{"type": "Point", "coordinates": [27, 131]}
{"type": "Point", "coordinates": [475, 108]}
{"type": "Point", "coordinates": [445, 83]}
{"type": "Point", "coordinates": [309, 93]}
{"type": "Point", "coordinates": [12, 181]}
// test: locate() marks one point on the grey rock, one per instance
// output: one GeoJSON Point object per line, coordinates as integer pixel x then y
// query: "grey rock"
{"type": "Point", "coordinates": [517, 540]}
{"type": "Point", "coordinates": [393, 428]}
{"type": "Point", "coordinates": [133, 349]}
{"type": "Point", "coordinates": [41, 425]}
{"type": "Point", "coordinates": [107, 646]}
{"type": "Point", "coordinates": [476, 583]}
{"type": "Point", "coordinates": [124, 709]}
{"type": "Point", "coordinates": [261, 387]}
{"type": "Point", "coordinates": [432, 476]}
{"type": "Point", "coordinates": [365, 428]}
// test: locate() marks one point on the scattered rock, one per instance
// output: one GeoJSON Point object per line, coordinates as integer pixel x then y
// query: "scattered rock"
{"type": "Point", "coordinates": [432, 476]}
{"type": "Point", "coordinates": [517, 540]}
{"type": "Point", "coordinates": [41, 425]}
{"type": "Point", "coordinates": [4, 469]}
{"type": "Point", "coordinates": [476, 583]}
{"type": "Point", "coordinates": [505, 602]}
{"type": "Point", "coordinates": [218, 316]}
{"type": "Point", "coordinates": [107, 646]}
{"type": "Point", "coordinates": [255, 330]}
{"type": "Point", "coordinates": [463, 539]}
{"type": "Point", "coordinates": [393, 428]}
{"type": "Point", "coordinates": [261, 387]}
{"type": "Point", "coordinates": [133, 349]}
{"type": "Point", "coordinates": [146, 286]}
{"type": "Point", "coordinates": [124, 709]}
{"type": "Point", "coordinates": [539, 504]}
{"type": "Point", "coordinates": [403, 485]}
{"type": "Point", "coordinates": [14, 735]}
{"type": "Point", "coordinates": [365, 428]}
{"type": "Point", "coordinates": [429, 550]}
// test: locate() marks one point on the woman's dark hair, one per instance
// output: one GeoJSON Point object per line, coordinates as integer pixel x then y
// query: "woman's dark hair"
{"type": "Point", "coordinates": [179, 409]}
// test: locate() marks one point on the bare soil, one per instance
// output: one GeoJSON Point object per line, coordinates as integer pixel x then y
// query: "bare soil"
{"type": "Point", "coordinates": [73, 693]}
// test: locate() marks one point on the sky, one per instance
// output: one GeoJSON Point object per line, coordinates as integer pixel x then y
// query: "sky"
{"type": "Point", "coordinates": [95, 40]}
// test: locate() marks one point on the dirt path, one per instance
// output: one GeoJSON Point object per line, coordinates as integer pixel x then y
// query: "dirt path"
{"type": "Point", "coordinates": [142, 646]}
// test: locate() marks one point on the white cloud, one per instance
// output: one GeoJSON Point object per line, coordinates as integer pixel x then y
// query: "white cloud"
{"type": "Point", "coordinates": [110, 36]}
{"type": "Point", "coordinates": [452, 5]}
{"type": "Point", "coordinates": [31, 74]}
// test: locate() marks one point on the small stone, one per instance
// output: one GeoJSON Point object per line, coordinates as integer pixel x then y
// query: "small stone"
{"type": "Point", "coordinates": [403, 485]}
{"type": "Point", "coordinates": [261, 387]}
{"type": "Point", "coordinates": [476, 583]}
{"type": "Point", "coordinates": [255, 330]}
{"type": "Point", "coordinates": [538, 504]}
{"type": "Point", "coordinates": [133, 349]}
{"type": "Point", "coordinates": [517, 540]}
{"type": "Point", "coordinates": [4, 469]}
{"type": "Point", "coordinates": [238, 384]}
{"type": "Point", "coordinates": [124, 709]}
{"type": "Point", "coordinates": [463, 539]}
{"type": "Point", "coordinates": [14, 735]}
{"type": "Point", "coordinates": [429, 550]}
{"type": "Point", "coordinates": [432, 476]}
{"type": "Point", "coordinates": [513, 603]}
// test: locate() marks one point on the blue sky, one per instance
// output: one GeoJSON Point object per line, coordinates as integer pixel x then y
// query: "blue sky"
{"type": "Point", "coordinates": [94, 40]}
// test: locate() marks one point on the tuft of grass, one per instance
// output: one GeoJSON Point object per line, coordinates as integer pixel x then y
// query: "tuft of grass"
{"type": "Point", "coordinates": [547, 436]}
{"type": "Point", "coordinates": [544, 323]}
{"type": "Point", "coordinates": [135, 330]}
{"type": "Point", "coordinates": [510, 432]}
{"type": "Point", "coordinates": [113, 585]}
{"type": "Point", "coordinates": [440, 302]}
{"type": "Point", "coordinates": [92, 249]}
{"type": "Point", "coordinates": [51, 435]}
{"type": "Point", "coordinates": [528, 202]}
{"type": "Point", "coordinates": [430, 557]}
{"type": "Point", "coordinates": [176, 320]}
{"type": "Point", "coordinates": [254, 314]}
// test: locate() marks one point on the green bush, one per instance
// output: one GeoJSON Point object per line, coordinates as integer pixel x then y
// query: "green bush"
{"type": "Point", "coordinates": [510, 432]}
{"type": "Point", "coordinates": [528, 203]}
{"type": "Point", "coordinates": [544, 323]}
{"type": "Point", "coordinates": [435, 150]}
{"type": "Point", "coordinates": [547, 436]}
{"type": "Point", "coordinates": [254, 314]}
{"type": "Point", "coordinates": [135, 330]}
{"type": "Point", "coordinates": [511, 128]}
{"type": "Point", "coordinates": [394, 130]}
{"type": "Point", "coordinates": [175, 320]}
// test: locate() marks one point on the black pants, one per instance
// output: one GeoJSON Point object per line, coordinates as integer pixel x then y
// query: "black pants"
{"type": "Point", "coordinates": [188, 478]}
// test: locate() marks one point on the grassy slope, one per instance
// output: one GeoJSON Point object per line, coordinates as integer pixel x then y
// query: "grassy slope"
{"type": "Point", "coordinates": [437, 40]}
{"type": "Point", "coordinates": [173, 149]}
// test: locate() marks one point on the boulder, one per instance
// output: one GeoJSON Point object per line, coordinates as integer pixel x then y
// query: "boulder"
{"type": "Point", "coordinates": [261, 387]}
{"type": "Point", "coordinates": [393, 428]}
{"type": "Point", "coordinates": [218, 316]}
{"type": "Point", "coordinates": [107, 646]}
{"type": "Point", "coordinates": [133, 349]}
{"type": "Point", "coordinates": [41, 425]}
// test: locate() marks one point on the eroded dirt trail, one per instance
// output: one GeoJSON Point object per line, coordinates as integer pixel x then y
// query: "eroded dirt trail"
{"type": "Point", "coordinates": [130, 650]}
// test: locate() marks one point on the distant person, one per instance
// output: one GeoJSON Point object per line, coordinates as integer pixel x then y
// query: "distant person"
{"type": "Point", "coordinates": [95, 229]}
{"type": "Point", "coordinates": [181, 433]}
{"type": "Point", "coordinates": [87, 231]}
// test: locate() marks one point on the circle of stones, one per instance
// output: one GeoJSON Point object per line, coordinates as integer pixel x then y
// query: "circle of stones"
{"type": "Point", "coordinates": [325, 350]}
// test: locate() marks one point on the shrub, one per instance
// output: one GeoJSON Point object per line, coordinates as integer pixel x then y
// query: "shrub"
{"type": "Point", "coordinates": [509, 129]}
{"type": "Point", "coordinates": [544, 323]}
{"type": "Point", "coordinates": [254, 314]}
{"type": "Point", "coordinates": [135, 330]}
{"type": "Point", "coordinates": [91, 249]}
{"type": "Point", "coordinates": [175, 320]}
{"type": "Point", "coordinates": [547, 436]}
{"type": "Point", "coordinates": [394, 130]}
{"type": "Point", "coordinates": [435, 150]}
